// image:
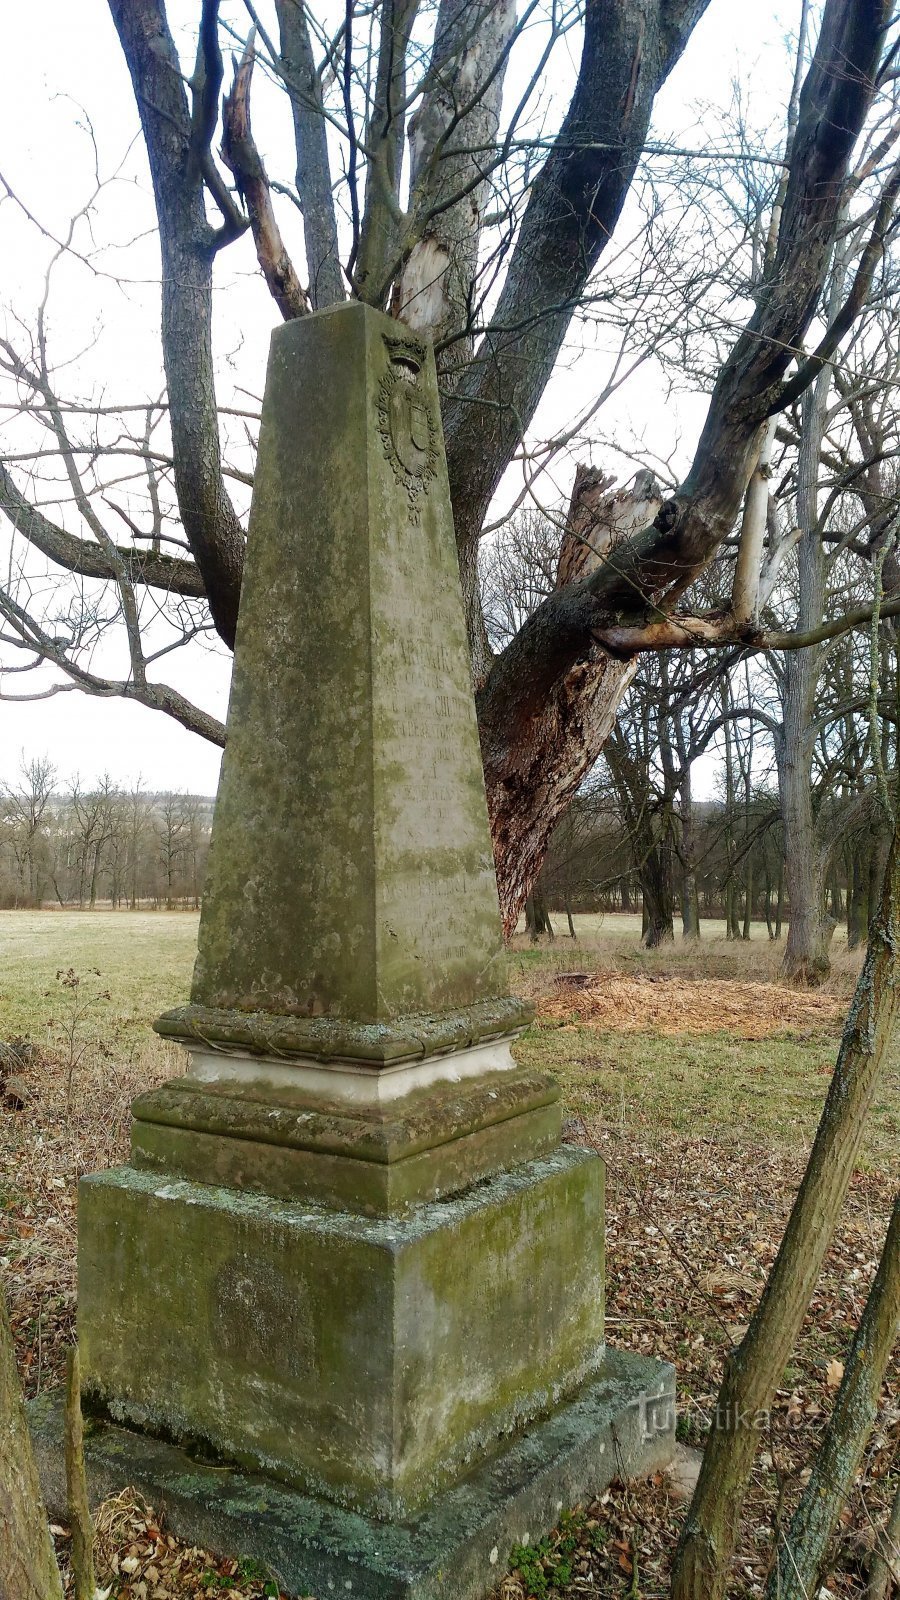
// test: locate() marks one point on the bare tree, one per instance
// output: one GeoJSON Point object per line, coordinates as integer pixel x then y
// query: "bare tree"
{"type": "Point", "coordinates": [25, 810]}
{"type": "Point", "coordinates": [488, 234]}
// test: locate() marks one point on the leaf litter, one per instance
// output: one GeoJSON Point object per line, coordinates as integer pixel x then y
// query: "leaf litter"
{"type": "Point", "coordinates": [693, 1225]}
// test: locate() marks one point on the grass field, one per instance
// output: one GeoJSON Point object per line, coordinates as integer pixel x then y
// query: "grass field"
{"type": "Point", "coordinates": [711, 1080]}
{"type": "Point", "coordinates": [697, 1075]}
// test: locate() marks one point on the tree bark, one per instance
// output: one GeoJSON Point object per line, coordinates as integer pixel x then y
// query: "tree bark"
{"type": "Point", "coordinates": [802, 1550]}
{"type": "Point", "coordinates": [753, 1371]}
{"type": "Point", "coordinates": [85, 1587]}
{"type": "Point", "coordinates": [187, 246]}
{"type": "Point", "coordinates": [857, 899]}
{"type": "Point", "coordinates": [806, 958]}
{"type": "Point", "coordinates": [574, 204]}
{"type": "Point", "coordinates": [28, 1569]}
{"type": "Point", "coordinates": [323, 263]}
{"type": "Point", "coordinates": [690, 905]}
{"type": "Point", "coordinates": [655, 875]}
{"type": "Point", "coordinates": [885, 1565]}
{"type": "Point", "coordinates": [460, 113]}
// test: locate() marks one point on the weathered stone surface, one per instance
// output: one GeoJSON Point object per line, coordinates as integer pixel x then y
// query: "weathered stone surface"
{"type": "Point", "coordinates": [282, 1141]}
{"type": "Point", "coordinates": [372, 1360]}
{"type": "Point", "coordinates": [350, 871]}
{"type": "Point", "coordinates": [406, 1038]}
{"type": "Point", "coordinates": [622, 1422]}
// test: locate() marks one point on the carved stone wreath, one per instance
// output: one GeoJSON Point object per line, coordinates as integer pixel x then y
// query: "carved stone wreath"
{"type": "Point", "coordinates": [406, 420]}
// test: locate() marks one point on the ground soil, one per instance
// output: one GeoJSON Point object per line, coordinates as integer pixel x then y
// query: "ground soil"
{"type": "Point", "coordinates": [701, 1094]}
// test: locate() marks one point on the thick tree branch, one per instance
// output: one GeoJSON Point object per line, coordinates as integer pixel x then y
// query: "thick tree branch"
{"type": "Point", "coordinates": [854, 303]}
{"type": "Point", "coordinates": [31, 637]}
{"type": "Point", "coordinates": [384, 142]}
{"type": "Point", "coordinates": [240, 154]}
{"type": "Point", "coordinates": [187, 244]}
{"type": "Point", "coordinates": [649, 573]}
{"type": "Point", "coordinates": [574, 204]}
{"type": "Point", "coordinates": [89, 560]}
{"type": "Point", "coordinates": [326, 280]}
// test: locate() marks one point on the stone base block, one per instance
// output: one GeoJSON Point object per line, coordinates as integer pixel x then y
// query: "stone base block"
{"type": "Point", "coordinates": [288, 1141]}
{"type": "Point", "coordinates": [368, 1360]}
{"type": "Point", "coordinates": [622, 1424]}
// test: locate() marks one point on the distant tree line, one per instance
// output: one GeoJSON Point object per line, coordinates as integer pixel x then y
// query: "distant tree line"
{"type": "Point", "coordinates": [97, 844]}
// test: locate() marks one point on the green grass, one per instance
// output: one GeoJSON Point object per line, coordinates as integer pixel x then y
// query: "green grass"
{"type": "Point", "coordinates": [145, 960]}
{"type": "Point", "coordinates": [767, 1091]}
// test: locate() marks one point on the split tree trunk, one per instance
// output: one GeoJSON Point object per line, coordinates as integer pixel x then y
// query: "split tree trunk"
{"type": "Point", "coordinates": [754, 1370]}
{"type": "Point", "coordinates": [801, 1555]}
{"type": "Point", "coordinates": [28, 1569]}
{"type": "Point", "coordinates": [534, 768]}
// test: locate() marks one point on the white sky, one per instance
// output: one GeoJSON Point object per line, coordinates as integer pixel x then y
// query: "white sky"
{"type": "Point", "coordinates": [66, 57]}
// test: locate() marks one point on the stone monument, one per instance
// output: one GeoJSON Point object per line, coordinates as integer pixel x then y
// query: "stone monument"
{"type": "Point", "coordinates": [344, 1309]}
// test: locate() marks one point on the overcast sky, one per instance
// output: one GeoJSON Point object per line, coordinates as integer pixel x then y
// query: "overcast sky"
{"type": "Point", "coordinates": [63, 57]}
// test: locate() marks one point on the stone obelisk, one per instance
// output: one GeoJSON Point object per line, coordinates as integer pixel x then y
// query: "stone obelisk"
{"type": "Point", "coordinates": [350, 1257]}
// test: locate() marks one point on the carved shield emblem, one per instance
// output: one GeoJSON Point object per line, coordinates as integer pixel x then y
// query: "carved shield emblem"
{"type": "Point", "coordinates": [407, 423]}
{"type": "Point", "coordinates": [410, 431]}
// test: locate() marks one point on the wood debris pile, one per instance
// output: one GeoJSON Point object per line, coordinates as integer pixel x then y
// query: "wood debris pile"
{"type": "Point", "coordinates": [627, 1002]}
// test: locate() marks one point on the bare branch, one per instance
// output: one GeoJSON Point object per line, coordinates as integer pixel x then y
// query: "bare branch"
{"type": "Point", "coordinates": [241, 155]}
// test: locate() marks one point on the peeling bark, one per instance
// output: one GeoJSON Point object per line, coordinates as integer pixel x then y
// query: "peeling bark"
{"type": "Point", "coordinates": [240, 154]}
{"type": "Point", "coordinates": [460, 115]}
{"type": "Point", "coordinates": [533, 767]}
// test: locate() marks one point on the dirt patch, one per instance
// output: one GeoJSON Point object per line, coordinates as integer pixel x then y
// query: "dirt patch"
{"type": "Point", "coordinates": [633, 1003]}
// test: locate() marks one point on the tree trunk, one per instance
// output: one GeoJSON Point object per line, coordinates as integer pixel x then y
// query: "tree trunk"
{"type": "Point", "coordinates": [28, 1569]}
{"type": "Point", "coordinates": [314, 188]}
{"type": "Point", "coordinates": [806, 953]}
{"type": "Point", "coordinates": [753, 1371]}
{"type": "Point", "coordinates": [537, 917]}
{"type": "Point", "coordinates": [655, 876]}
{"type": "Point", "coordinates": [885, 1565]}
{"type": "Point", "coordinates": [801, 1554]}
{"type": "Point", "coordinates": [806, 957]}
{"type": "Point", "coordinates": [857, 899]}
{"type": "Point", "coordinates": [84, 1586]}
{"type": "Point", "coordinates": [779, 904]}
{"type": "Point", "coordinates": [748, 897]}
{"type": "Point", "coordinates": [690, 905]}
{"type": "Point", "coordinates": [533, 768]}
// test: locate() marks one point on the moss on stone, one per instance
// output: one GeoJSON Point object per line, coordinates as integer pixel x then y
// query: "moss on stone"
{"type": "Point", "coordinates": [371, 1360]}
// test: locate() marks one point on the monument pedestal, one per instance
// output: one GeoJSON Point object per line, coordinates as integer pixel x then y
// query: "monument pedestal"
{"type": "Point", "coordinates": [351, 1263]}
{"type": "Point", "coordinates": [371, 1360]}
{"type": "Point", "coordinates": [620, 1424]}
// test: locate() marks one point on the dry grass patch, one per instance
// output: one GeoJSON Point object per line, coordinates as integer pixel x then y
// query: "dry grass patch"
{"type": "Point", "coordinates": [644, 1002]}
